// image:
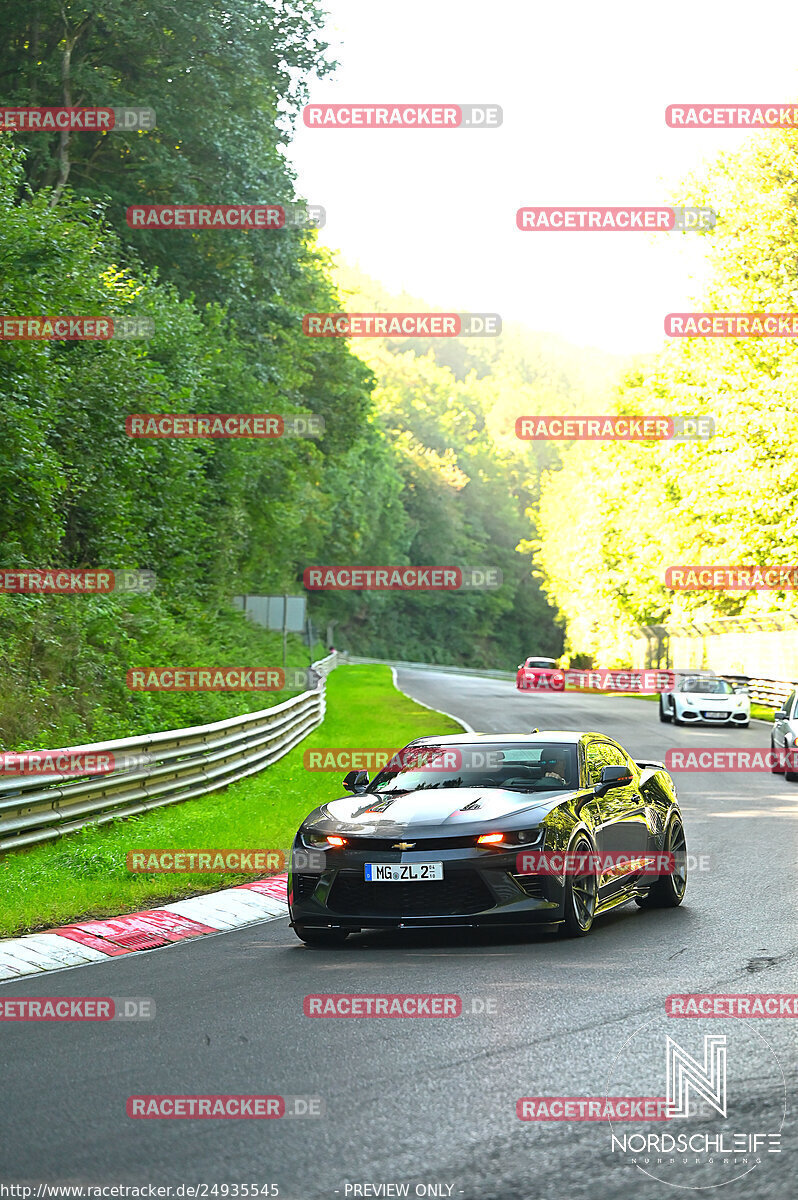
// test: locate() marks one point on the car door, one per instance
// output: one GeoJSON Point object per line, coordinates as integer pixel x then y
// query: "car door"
{"type": "Point", "coordinates": [624, 824]}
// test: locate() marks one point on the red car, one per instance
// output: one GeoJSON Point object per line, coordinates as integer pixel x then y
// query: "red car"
{"type": "Point", "coordinates": [533, 669]}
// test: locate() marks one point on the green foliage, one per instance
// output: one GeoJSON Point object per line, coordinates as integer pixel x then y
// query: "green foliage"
{"type": "Point", "coordinates": [732, 499]}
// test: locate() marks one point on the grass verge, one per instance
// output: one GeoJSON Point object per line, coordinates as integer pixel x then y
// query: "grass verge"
{"type": "Point", "coordinates": [85, 874]}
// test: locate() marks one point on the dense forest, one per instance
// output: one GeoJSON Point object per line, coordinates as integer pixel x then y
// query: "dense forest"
{"type": "Point", "coordinates": [730, 500]}
{"type": "Point", "coordinates": [417, 463]}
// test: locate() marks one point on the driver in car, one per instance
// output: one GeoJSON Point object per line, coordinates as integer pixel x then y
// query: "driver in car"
{"type": "Point", "coordinates": [556, 768]}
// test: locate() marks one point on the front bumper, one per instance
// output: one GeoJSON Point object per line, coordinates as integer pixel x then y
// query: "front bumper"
{"type": "Point", "coordinates": [478, 888]}
{"type": "Point", "coordinates": [697, 716]}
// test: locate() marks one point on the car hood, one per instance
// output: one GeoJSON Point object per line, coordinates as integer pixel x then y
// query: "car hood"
{"type": "Point", "coordinates": [707, 700]}
{"type": "Point", "coordinates": [448, 807]}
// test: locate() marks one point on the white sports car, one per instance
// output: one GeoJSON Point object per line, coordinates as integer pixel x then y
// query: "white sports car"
{"type": "Point", "coordinates": [698, 700]}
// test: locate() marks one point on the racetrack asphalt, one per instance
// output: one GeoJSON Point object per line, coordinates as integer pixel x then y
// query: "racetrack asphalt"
{"type": "Point", "coordinates": [428, 1102]}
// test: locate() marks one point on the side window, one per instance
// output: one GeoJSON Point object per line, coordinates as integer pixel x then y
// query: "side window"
{"type": "Point", "coordinates": [595, 760]}
{"type": "Point", "coordinates": [789, 705]}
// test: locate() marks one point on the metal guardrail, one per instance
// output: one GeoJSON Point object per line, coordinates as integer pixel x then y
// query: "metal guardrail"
{"type": "Point", "coordinates": [770, 692]}
{"type": "Point", "coordinates": [179, 765]}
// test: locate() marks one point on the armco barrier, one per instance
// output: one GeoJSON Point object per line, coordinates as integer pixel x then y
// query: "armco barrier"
{"type": "Point", "coordinates": [770, 692]}
{"type": "Point", "coordinates": [183, 763]}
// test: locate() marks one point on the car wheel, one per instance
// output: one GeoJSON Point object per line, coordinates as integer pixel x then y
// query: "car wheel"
{"type": "Point", "coordinates": [676, 720]}
{"type": "Point", "coordinates": [669, 890]}
{"type": "Point", "coordinates": [775, 768]}
{"type": "Point", "coordinates": [321, 937]}
{"type": "Point", "coordinates": [743, 724]}
{"type": "Point", "coordinates": [580, 897]}
{"type": "Point", "coordinates": [664, 716]}
{"type": "Point", "coordinates": [789, 757]}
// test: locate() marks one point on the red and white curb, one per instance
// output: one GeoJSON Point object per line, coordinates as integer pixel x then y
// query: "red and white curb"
{"type": "Point", "coordinates": [94, 941]}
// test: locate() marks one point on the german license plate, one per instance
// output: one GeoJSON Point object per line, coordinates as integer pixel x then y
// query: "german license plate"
{"type": "Point", "coordinates": [403, 872]}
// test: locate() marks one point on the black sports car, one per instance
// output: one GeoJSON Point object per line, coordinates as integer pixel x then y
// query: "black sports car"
{"type": "Point", "coordinates": [439, 838]}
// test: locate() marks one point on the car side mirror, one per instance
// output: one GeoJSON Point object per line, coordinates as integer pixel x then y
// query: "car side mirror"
{"type": "Point", "coordinates": [781, 715]}
{"type": "Point", "coordinates": [612, 777]}
{"type": "Point", "coordinates": [356, 781]}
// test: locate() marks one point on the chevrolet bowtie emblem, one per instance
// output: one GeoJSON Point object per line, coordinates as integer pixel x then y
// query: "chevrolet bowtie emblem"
{"type": "Point", "coordinates": [403, 845]}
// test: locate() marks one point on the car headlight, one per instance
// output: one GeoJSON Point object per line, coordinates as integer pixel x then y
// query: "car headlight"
{"type": "Point", "coordinates": [320, 841]}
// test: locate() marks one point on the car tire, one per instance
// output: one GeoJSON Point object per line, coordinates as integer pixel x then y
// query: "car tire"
{"type": "Point", "coordinates": [580, 898]}
{"type": "Point", "coordinates": [312, 936]}
{"type": "Point", "coordinates": [668, 891]}
{"type": "Point", "coordinates": [743, 724]}
{"type": "Point", "coordinates": [775, 769]}
{"type": "Point", "coordinates": [665, 717]}
{"type": "Point", "coordinates": [790, 776]}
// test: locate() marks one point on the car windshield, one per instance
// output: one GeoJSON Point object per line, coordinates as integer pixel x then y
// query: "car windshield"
{"type": "Point", "coordinates": [525, 767]}
{"type": "Point", "coordinates": [710, 687]}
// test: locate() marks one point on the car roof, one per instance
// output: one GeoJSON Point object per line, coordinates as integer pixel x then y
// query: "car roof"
{"type": "Point", "coordinates": [545, 735]}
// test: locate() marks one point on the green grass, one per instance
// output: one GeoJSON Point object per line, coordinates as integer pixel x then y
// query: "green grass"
{"type": "Point", "coordinates": [85, 874]}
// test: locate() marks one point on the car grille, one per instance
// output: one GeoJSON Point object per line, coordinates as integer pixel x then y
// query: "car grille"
{"type": "Point", "coordinates": [457, 893]}
{"type": "Point", "coordinates": [710, 714]}
{"type": "Point", "coordinates": [303, 886]}
{"type": "Point", "coordinates": [531, 885]}
{"type": "Point", "coordinates": [440, 843]}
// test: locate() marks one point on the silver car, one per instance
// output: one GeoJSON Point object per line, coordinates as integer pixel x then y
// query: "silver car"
{"type": "Point", "coordinates": [784, 737]}
{"type": "Point", "coordinates": [705, 700]}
